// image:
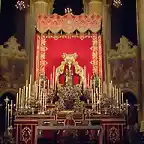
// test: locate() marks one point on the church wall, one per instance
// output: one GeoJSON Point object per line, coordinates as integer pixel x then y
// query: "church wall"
{"type": "Point", "coordinates": [123, 62]}
{"type": "Point", "coordinates": [13, 61]}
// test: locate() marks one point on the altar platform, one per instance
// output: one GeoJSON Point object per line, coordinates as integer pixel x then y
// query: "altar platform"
{"type": "Point", "coordinates": [28, 127]}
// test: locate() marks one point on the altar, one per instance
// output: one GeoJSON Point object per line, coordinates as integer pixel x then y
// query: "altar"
{"type": "Point", "coordinates": [68, 102]}
{"type": "Point", "coordinates": [69, 93]}
{"type": "Point", "coordinates": [30, 128]}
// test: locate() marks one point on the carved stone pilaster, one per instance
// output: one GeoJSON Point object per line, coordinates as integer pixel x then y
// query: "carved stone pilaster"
{"type": "Point", "coordinates": [124, 65]}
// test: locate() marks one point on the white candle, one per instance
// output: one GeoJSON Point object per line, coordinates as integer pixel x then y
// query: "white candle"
{"type": "Point", "coordinates": [92, 96]}
{"type": "Point", "coordinates": [51, 81]}
{"type": "Point", "coordinates": [17, 101]}
{"type": "Point", "coordinates": [29, 91]}
{"type": "Point", "coordinates": [117, 95]}
{"type": "Point", "coordinates": [30, 79]}
{"type": "Point", "coordinates": [8, 115]}
{"type": "Point", "coordinates": [39, 88]}
{"type": "Point", "coordinates": [19, 97]}
{"type": "Point", "coordinates": [26, 83]}
{"type": "Point", "coordinates": [26, 102]}
{"type": "Point", "coordinates": [53, 77]}
{"type": "Point", "coordinates": [88, 81]}
{"type": "Point", "coordinates": [122, 97]}
{"type": "Point", "coordinates": [11, 108]}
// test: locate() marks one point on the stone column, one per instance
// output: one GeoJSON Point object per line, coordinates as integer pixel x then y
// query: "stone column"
{"type": "Point", "coordinates": [95, 6]}
{"type": "Point", "coordinates": [140, 29]}
{"type": "Point", "coordinates": [37, 7]}
{"type": "Point", "coordinates": [106, 32]}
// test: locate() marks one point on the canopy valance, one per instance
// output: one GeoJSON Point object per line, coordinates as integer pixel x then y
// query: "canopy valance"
{"type": "Point", "coordinates": [68, 23]}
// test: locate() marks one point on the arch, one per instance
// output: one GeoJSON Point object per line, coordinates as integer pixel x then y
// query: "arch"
{"type": "Point", "coordinates": [11, 90]}
{"type": "Point", "coordinates": [126, 90]}
{"type": "Point", "coordinates": [132, 117]}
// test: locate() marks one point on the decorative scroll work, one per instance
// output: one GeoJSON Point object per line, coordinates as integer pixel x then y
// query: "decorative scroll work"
{"type": "Point", "coordinates": [11, 49]}
{"type": "Point", "coordinates": [125, 49]}
{"type": "Point", "coordinates": [40, 56]}
{"type": "Point", "coordinates": [97, 56]}
{"type": "Point", "coordinates": [26, 134]}
{"type": "Point", "coordinates": [68, 23]}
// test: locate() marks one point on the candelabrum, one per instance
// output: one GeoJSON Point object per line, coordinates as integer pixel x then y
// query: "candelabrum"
{"type": "Point", "coordinates": [101, 98]}
{"type": "Point", "coordinates": [8, 136]}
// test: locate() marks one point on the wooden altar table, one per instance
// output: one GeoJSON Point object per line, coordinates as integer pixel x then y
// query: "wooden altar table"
{"type": "Point", "coordinates": [26, 127]}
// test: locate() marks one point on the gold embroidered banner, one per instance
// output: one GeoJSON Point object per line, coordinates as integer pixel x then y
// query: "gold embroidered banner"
{"type": "Point", "coordinates": [68, 23]}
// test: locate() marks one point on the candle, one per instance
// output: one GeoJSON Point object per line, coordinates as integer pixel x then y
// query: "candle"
{"type": "Point", "coordinates": [8, 115]}
{"type": "Point", "coordinates": [44, 84]}
{"type": "Point", "coordinates": [51, 81]}
{"type": "Point", "coordinates": [17, 100]}
{"type": "Point", "coordinates": [11, 108]}
{"type": "Point", "coordinates": [26, 102]}
{"type": "Point", "coordinates": [92, 96]}
{"type": "Point", "coordinates": [22, 98]}
{"type": "Point", "coordinates": [113, 93]}
{"type": "Point", "coordinates": [48, 84]}
{"type": "Point", "coordinates": [30, 79]}
{"type": "Point", "coordinates": [88, 81]}
{"type": "Point", "coordinates": [24, 92]}
{"type": "Point", "coordinates": [29, 91]}
{"type": "Point", "coordinates": [117, 95]}
{"type": "Point", "coordinates": [36, 90]}
{"type": "Point", "coordinates": [53, 77]}
{"type": "Point", "coordinates": [39, 90]}
{"type": "Point", "coordinates": [26, 83]}
{"type": "Point", "coordinates": [122, 98]}
{"type": "Point", "coordinates": [19, 97]}
{"type": "Point", "coordinates": [87, 101]}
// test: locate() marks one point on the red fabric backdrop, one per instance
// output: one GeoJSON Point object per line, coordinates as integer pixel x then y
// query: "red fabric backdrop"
{"type": "Point", "coordinates": [55, 49]}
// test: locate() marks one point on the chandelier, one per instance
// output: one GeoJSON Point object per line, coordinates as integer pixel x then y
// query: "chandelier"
{"type": "Point", "coordinates": [68, 10]}
{"type": "Point", "coordinates": [117, 3]}
{"type": "Point", "coordinates": [20, 5]}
